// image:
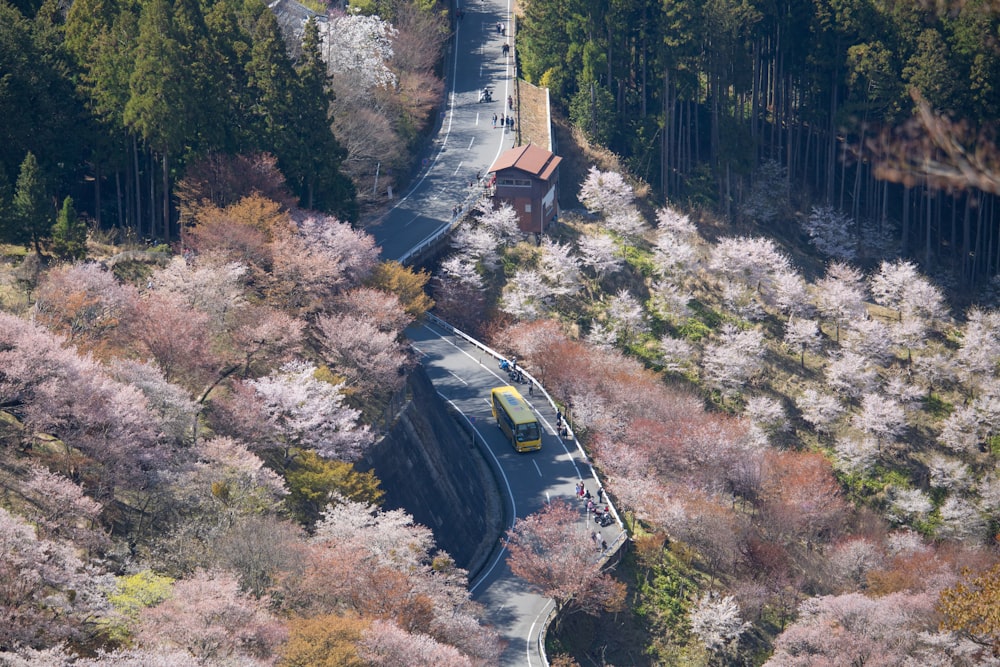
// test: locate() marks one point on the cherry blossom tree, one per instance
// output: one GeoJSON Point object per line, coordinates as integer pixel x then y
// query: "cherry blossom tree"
{"type": "Point", "coordinates": [323, 258]}
{"type": "Point", "coordinates": [214, 288]}
{"type": "Point", "coordinates": [980, 345]}
{"type": "Point", "coordinates": [458, 293]}
{"type": "Point", "coordinates": [840, 294]}
{"type": "Point", "coordinates": [559, 267]}
{"type": "Point", "coordinates": [171, 403]}
{"type": "Point", "coordinates": [677, 355]}
{"type": "Point", "coordinates": [790, 294]}
{"type": "Point", "coordinates": [869, 338]}
{"type": "Point", "coordinates": [551, 553]}
{"type": "Point", "coordinates": [880, 416]}
{"type": "Point", "coordinates": [857, 454]}
{"type": "Point", "coordinates": [900, 286]}
{"type": "Point", "coordinates": [829, 230]}
{"type": "Point", "coordinates": [605, 192]}
{"type": "Point", "coordinates": [908, 505]}
{"type": "Point", "coordinates": [801, 498]}
{"type": "Point", "coordinates": [60, 509]}
{"type": "Point", "coordinates": [626, 317]}
{"type": "Point", "coordinates": [599, 253]}
{"type": "Point", "coordinates": [767, 416]}
{"type": "Point", "coordinates": [627, 222]}
{"type": "Point", "coordinates": [526, 296]}
{"type": "Point", "coordinates": [673, 255]}
{"type": "Point", "coordinates": [479, 245]}
{"type": "Point", "coordinates": [733, 360]}
{"type": "Point", "coordinates": [948, 473]}
{"type": "Point", "coordinates": [207, 616]}
{"type": "Point", "coordinates": [357, 349]}
{"type": "Point", "coordinates": [802, 335]}
{"type": "Point", "coordinates": [358, 47]}
{"type": "Point", "coordinates": [716, 621]}
{"type": "Point", "coordinates": [385, 644]}
{"type": "Point", "coordinates": [961, 520]}
{"type": "Point", "coordinates": [961, 430]}
{"type": "Point", "coordinates": [167, 330]}
{"type": "Point", "coordinates": [852, 559]}
{"type": "Point", "coordinates": [47, 594]}
{"type": "Point", "coordinates": [500, 221]}
{"type": "Point", "coordinates": [850, 374]}
{"type": "Point", "coordinates": [83, 301]}
{"type": "Point", "coordinates": [855, 629]}
{"type": "Point", "coordinates": [752, 261]}
{"type": "Point", "coordinates": [308, 412]}
{"type": "Point", "coordinates": [669, 301]}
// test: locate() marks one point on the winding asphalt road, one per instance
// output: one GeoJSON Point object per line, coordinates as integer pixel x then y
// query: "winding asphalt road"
{"type": "Point", "coordinates": [467, 144]}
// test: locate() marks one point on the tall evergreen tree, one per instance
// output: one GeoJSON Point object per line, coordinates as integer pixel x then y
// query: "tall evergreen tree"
{"type": "Point", "coordinates": [69, 234]}
{"type": "Point", "coordinates": [32, 211]}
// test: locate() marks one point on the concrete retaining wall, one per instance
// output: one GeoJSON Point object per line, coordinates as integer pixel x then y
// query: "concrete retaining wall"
{"type": "Point", "coordinates": [429, 467]}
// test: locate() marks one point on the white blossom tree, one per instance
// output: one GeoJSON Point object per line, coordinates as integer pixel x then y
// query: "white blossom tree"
{"type": "Point", "coordinates": [821, 410]}
{"type": "Point", "coordinates": [526, 296]}
{"type": "Point", "coordinates": [790, 294]}
{"type": "Point", "coordinates": [767, 415]}
{"type": "Point", "coordinates": [900, 285]}
{"type": "Point", "coordinates": [948, 473]}
{"type": "Point", "coordinates": [669, 301]}
{"type": "Point", "coordinates": [961, 430]}
{"type": "Point", "coordinates": [716, 621]}
{"type": "Point", "coordinates": [829, 230]}
{"type": "Point", "coordinates": [677, 355]}
{"type": "Point", "coordinates": [881, 417]}
{"type": "Point", "coordinates": [802, 335]}
{"type": "Point", "coordinates": [308, 412]}
{"type": "Point", "coordinates": [500, 221]}
{"type": "Point", "coordinates": [869, 338]}
{"type": "Point", "coordinates": [961, 520]}
{"type": "Point", "coordinates": [606, 192]}
{"type": "Point", "coordinates": [733, 360]}
{"type": "Point", "coordinates": [559, 267]}
{"type": "Point", "coordinates": [479, 244]}
{"type": "Point", "coordinates": [599, 253]}
{"type": "Point", "coordinates": [359, 47]}
{"type": "Point", "coordinates": [626, 316]}
{"type": "Point", "coordinates": [856, 454]}
{"type": "Point", "coordinates": [840, 294]}
{"type": "Point", "coordinates": [908, 505]}
{"type": "Point", "coordinates": [673, 255]}
{"type": "Point", "coordinates": [850, 374]}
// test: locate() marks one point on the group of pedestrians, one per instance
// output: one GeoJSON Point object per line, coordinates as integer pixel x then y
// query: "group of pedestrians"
{"type": "Point", "coordinates": [583, 493]}
{"type": "Point", "coordinates": [503, 120]}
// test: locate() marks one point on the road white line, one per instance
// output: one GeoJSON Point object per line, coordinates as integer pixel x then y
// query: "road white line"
{"type": "Point", "coordinates": [477, 118]}
{"type": "Point", "coordinates": [471, 141]}
{"type": "Point", "coordinates": [457, 378]}
{"type": "Point", "coordinates": [539, 470]}
{"type": "Point", "coordinates": [455, 173]}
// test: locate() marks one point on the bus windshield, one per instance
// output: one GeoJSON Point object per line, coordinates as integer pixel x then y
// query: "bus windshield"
{"type": "Point", "coordinates": [527, 432]}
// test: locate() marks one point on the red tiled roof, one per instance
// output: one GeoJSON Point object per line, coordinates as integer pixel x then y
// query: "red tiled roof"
{"type": "Point", "coordinates": [530, 159]}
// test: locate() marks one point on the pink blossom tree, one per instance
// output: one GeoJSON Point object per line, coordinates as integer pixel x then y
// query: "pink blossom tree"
{"type": "Point", "coordinates": [550, 552]}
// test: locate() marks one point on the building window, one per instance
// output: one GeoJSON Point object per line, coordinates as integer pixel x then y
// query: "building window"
{"type": "Point", "coordinates": [514, 182]}
{"type": "Point", "coordinates": [527, 208]}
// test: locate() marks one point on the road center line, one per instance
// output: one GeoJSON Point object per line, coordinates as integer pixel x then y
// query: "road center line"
{"type": "Point", "coordinates": [473, 140]}
{"type": "Point", "coordinates": [455, 173]}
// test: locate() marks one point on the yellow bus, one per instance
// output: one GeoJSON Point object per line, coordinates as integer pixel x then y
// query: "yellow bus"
{"type": "Point", "coordinates": [516, 419]}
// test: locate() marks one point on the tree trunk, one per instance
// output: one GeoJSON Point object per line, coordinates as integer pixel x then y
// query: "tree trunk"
{"type": "Point", "coordinates": [166, 199]}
